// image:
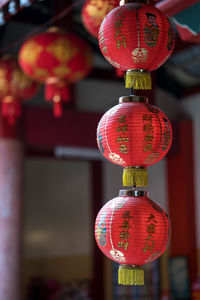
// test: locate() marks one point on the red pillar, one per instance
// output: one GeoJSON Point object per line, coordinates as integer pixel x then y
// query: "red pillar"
{"type": "Point", "coordinates": [11, 170]}
{"type": "Point", "coordinates": [180, 169]}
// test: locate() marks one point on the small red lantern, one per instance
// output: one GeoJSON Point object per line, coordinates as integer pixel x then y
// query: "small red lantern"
{"type": "Point", "coordinates": [134, 135]}
{"type": "Point", "coordinates": [136, 38]}
{"type": "Point", "coordinates": [15, 86]}
{"type": "Point", "coordinates": [56, 59]}
{"type": "Point", "coordinates": [132, 230]}
{"type": "Point", "coordinates": [93, 13]}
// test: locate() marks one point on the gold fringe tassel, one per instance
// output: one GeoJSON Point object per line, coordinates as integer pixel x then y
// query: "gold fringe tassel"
{"type": "Point", "coordinates": [131, 275]}
{"type": "Point", "coordinates": [138, 80]}
{"type": "Point", "coordinates": [135, 177]}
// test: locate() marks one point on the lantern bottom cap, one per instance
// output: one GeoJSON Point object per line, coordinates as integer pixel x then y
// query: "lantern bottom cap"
{"type": "Point", "coordinates": [131, 275]}
{"type": "Point", "coordinates": [138, 80]}
{"type": "Point", "coordinates": [135, 176]}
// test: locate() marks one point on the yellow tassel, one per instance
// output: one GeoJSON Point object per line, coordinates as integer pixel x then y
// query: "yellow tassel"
{"type": "Point", "coordinates": [131, 275]}
{"type": "Point", "coordinates": [135, 176]}
{"type": "Point", "coordinates": [138, 80]}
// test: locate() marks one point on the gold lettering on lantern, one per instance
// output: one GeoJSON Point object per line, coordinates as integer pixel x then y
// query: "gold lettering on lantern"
{"type": "Point", "coordinates": [119, 36]}
{"type": "Point", "coordinates": [122, 128]}
{"type": "Point", "coordinates": [148, 130]}
{"type": "Point", "coordinates": [123, 244]}
{"type": "Point", "coordinates": [123, 149]}
{"type": "Point", "coordinates": [122, 139]}
{"type": "Point", "coordinates": [127, 215]}
{"type": "Point", "coordinates": [151, 230]}
{"type": "Point", "coordinates": [147, 147]}
{"type": "Point", "coordinates": [166, 135]}
{"type": "Point", "coordinates": [122, 119]}
{"type": "Point", "coordinates": [151, 158]}
{"type": "Point", "coordinates": [124, 234]}
{"type": "Point", "coordinates": [148, 137]}
{"type": "Point", "coordinates": [147, 117]}
{"type": "Point", "coordinates": [125, 225]}
{"type": "Point", "coordinates": [102, 41]}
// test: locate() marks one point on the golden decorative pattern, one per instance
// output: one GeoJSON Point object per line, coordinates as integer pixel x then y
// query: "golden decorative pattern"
{"type": "Point", "coordinates": [77, 76]}
{"type": "Point", "coordinates": [19, 81]}
{"type": "Point", "coordinates": [98, 9]}
{"type": "Point", "coordinates": [3, 82]}
{"type": "Point", "coordinates": [30, 52]}
{"type": "Point", "coordinates": [41, 74]}
{"type": "Point", "coordinates": [139, 55]}
{"type": "Point", "coordinates": [61, 71]}
{"type": "Point", "coordinates": [62, 50]}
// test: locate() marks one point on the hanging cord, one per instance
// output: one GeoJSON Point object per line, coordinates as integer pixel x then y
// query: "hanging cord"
{"type": "Point", "coordinates": [59, 16]}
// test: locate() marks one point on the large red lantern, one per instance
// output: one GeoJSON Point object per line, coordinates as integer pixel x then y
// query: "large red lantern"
{"type": "Point", "coordinates": [15, 86]}
{"type": "Point", "coordinates": [57, 59]}
{"type": "Point", "coordinates": [93, 13]}
{"type": "Point", "coordinates": [132, 230]}
{"type": "Point", "coordinates": [134, 135]}
{"type": "Point", "coordinates": [136, 38]}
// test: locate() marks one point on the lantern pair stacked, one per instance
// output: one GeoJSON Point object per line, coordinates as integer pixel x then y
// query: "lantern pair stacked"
{"type": "Point", "coordinates": [57, 59]}
{"type": "Point", "coordinates": [132, 229]}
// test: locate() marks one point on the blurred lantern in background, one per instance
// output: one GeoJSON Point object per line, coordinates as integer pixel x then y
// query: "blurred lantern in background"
{"type": "Point", "coordinates": [135, 135]}
{"type": "Point", "coordinates": [93, 13]}
{"type": "Point", "coordinates": [57, 59]}
{"type": "Point", "coordinates": [132, 230]}
{"type": "Point", "coordinates": [15, 86]}
{"type": "Point", "coordinates": [137, 38]}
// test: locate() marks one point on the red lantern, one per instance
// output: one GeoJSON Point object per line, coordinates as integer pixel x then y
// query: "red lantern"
{"type": "Point", "coordinates": [136, 38]}
{"type": "Point", "coordinates": [56, 59]}
{"type": "Point", "coordinates": [14, 87]}
{"type": "Point", "coordinates": [132, 230]}
{"type": "Point", "coordinates": [134, 135]}
{"type": "Point", "coordinates": [93, 13]}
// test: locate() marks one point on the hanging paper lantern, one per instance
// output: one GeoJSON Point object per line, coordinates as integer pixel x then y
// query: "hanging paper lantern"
{"type": "Point", "coordinates": [56, 58]}
{"type": "Point", "coordinates": [15, 86]}
{"type": "Point", "coordinates": [136, 38]}
{"type": "Point", "coordinates": [135, 135]}
{"type": "Point", "coordinates": [132, 230]}
{"type": "Point", "coordinates": [93, 13]}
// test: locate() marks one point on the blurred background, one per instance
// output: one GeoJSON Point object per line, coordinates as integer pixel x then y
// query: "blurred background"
{"type": "Point", "coordinates": [53, 179]}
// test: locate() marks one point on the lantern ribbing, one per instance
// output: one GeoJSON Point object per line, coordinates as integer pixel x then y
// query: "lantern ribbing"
{"type": "Point", "coordinates": [132, 230]}
{"type": "Point", "coordinates": [134, 135]}
{"type": "Point", "coordinates": [137, 38]}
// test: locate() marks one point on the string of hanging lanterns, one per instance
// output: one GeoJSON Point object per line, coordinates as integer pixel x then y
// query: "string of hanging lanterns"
{"type": "Point", "coordinates": [132, 229]}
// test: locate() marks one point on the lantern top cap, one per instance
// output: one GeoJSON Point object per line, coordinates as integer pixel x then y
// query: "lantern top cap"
{"type": "Point", "coordinates": [133, 98]}
{"type": "Point", "coordinates": [122, 2]}
{"type": "Point", "coordinates": [133, 193]}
